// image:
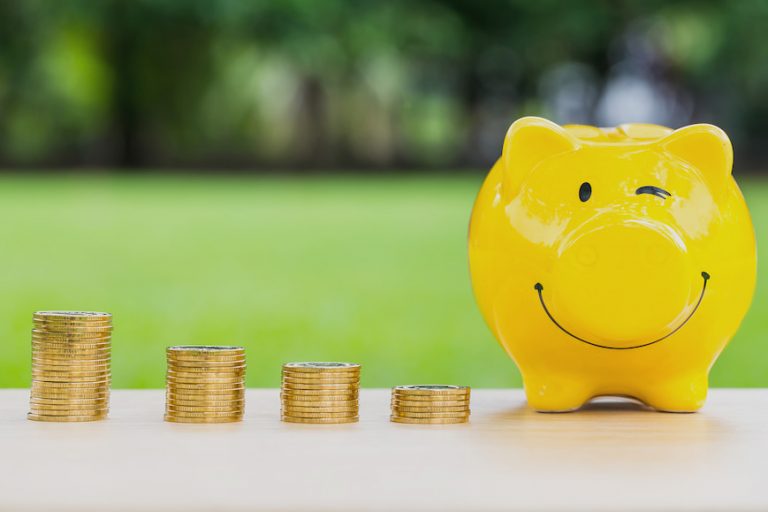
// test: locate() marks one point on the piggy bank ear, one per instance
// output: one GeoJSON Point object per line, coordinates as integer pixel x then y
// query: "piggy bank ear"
{"type": "Point", "coordinates": [529, 141]}
{"type": "Point", "coordinates": [704, 146]}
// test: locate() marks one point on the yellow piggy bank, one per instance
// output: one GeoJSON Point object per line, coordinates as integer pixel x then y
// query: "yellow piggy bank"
{"type": "Point", "coordinates": [612, 261]}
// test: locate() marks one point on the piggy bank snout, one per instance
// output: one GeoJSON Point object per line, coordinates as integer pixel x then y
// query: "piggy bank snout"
{"type": "Point", "coordinates": [623, 283]}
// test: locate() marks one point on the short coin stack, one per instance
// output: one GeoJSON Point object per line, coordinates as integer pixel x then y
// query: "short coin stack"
{"type": "Point", "coordinates": [430, 404]}
{"type": "Point", "coordinates": [320, 392]}
{"type": "Point", "coordinates": [70, 366]}
{"type": "Point", "coordinates": [205, 384]}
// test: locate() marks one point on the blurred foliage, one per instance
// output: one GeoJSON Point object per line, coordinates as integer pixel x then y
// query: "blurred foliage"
{"type": "Point", "coordinates": [302, 83]}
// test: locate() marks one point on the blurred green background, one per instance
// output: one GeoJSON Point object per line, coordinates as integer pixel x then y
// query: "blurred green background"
{"type": "Point", "coordinates": [297, 176]}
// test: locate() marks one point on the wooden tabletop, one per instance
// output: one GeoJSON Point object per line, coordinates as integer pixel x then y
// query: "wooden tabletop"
{"type": "Point", "coordinates": [610, 456]}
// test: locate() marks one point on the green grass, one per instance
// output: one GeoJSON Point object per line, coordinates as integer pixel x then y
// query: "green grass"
{"type": "Point", "coordinates": [368, 270]}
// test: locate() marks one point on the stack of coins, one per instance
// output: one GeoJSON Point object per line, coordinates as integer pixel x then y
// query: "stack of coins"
{"type": "Point", "coordinates": [205, 384]}
{"type": "Point", "coordinates": [70, 366]}
{"type": "Point", "coordinates": [320, 392]}
{"type": "Point", "coordinates": [430, 404]}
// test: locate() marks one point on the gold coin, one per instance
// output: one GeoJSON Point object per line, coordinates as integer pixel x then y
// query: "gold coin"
{"type": "Point", "coordinates": [95, 397]}
{"type": "Point", "coordinates": [429, 421]}
{"type": "Point", "coordinates": [68, 401]}
{"type": "Point", "coordinates": [320, 379]}
{"type": "Point", "coordinates": [304, 408]}
{"type": "Point", "coordinates": [214, 356]}
{"type": "Point", "coordinates": [205, 365]}
{"type": "Point", "coordinates": [193, 394]}
{"type": "Point", "coordinates": [203, 377]}
{"type": "Point", "coordinates": [225, 419]}
{"type": "Point", "coordinates": [207, 372]}
{"type": "Point", "coordinates": [73, 366]}
{"type": "Point", "coordinates": [74, 347]}
{"type": "Point", "coordinates": [202, 351]}
{"type": "Point", "coordinates": [71, 412]}
{"type": "Point", "coordinates": [431, 389]}
{"type": "Point", "coordinates": [301, 414]}
{"type": "Point", "coordinates": [70, 350]}
{"type": "Point", "coordinates": [213, 387]}
{"type": "Point", "coordinates": [214, 374]}
{"type": "Point", "coordinates": [318, 421]}
{"type": "Point", "coordinates": [231, 408]}
{"type": "Point", "coordinates": [319, 387]}
{"type": "Point", "coordinates": [80, 315]}
{"type": "Point", "coordinates": [197, 394]}
{"type": "Point", "coordinates": [318, 400]}
{"type": "Point", "coordinates": [62, 419]}
{"type": "Point", "coordinates": [429, 403]}
{"type": "Point", "coordinates": [173, 380]}
{"type": "Point", "coordinates": [73, 409]}
{"type": "Point", "coordinates": [436, 414]}
{"type": "Point", "coordinates": [324, 393]}
{"type": "Point", "coordinates": [88, 380]}
{"type": "Point", "coordinates": [321, 367]}
{"type": "Point", "coordinates": [67, 389]}
{"type": "Point", "coordinates": [320, 405]}
{"type": "Point", "coordinates": [429, 409]}
{"type": "Point", "coordinates": [430, 398]}
{"type": "Point", "coordinates": [65, 331]}
{"type": "Point", "coordinates": [58, 360]}
{"type": "Point", "coordinates": [77, 340]}
{"type": "Point", "coordinates": [48, 371]}
{"type": "Point", "coordinates": [76, 385]}
{"type": "Point", "coordinates": [69, 326]}
{"type": "Point", "coordinates": [200, 414]}
{"type": "Point", "coordinates": [53, 380]}
{"type": "Point", "coordinates": [205, 403]}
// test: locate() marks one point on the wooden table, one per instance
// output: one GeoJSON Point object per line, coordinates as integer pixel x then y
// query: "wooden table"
{"type": "Point", "coordinates": [611, 456]}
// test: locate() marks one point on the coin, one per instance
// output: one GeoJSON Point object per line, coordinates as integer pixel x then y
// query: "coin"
{"type": "Point", "coordinates": [179, 381]}
{"type": "Point", "coordinates": [320, 393]}
{"type": "Point", "coordinates": [328, 387]}
{"type": "Point", "coordinates": [68, 408]}
{"type": "Point", "coordinates": [206, 363]}
{"type": "Point", "coordinates": [429, 403]}
{"type": "Point", "coordinates": [322, 367]}
{"type": "Point", "coordinates": [206, 403]}
{"type": "Point", "coordinates": [76, 315]}
{"type": "Point", "coordinates": [409, 414]}
{"type": "Point", "coordinates": [232, 408]}
{"type": "Point", "coordinates": [204, 414]}
{"type": "Point", "coordinates": [321, 378]}
{"type": "Point", "coordinates": [44, 417]}
{"type": "Point", "coordinates": [203, 372]}
{"type": "Point", "coordinates": [429, 421]}
{"type": "Point", "coordinates": [293, 419]}
{"type": "Point", "coordinates": [53, 412]}
{"type": "Point", "coordinates": [428, 409]}
{"type": "Point", "coordinates": [70, 363]}
{"type": "Point", "coordinates": [203, 351]}
{"type": "Point", "coordinates": [213, 387]}
{"type": "Point", "coordinates": [224, 419]}
{"type": "Point", "coordinates": [317, 414]}
{"type": "Point", "coordinates": [65, 401]}
{"type": "Point", "coordinates": [431, 389]}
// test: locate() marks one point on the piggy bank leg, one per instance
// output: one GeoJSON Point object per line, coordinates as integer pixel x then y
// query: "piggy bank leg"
{"type": "Point", "coordinates": [555, 394]}
{"type": "Point", "coordinates": [685, 394]}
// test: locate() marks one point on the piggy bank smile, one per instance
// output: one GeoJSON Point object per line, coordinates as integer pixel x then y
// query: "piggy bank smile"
{"type": "Point", "coordinates": [612, 261]}
{"type": "Point", "coordinates": [616, 343]}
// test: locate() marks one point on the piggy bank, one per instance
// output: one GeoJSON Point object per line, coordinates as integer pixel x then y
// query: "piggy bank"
{"type": "Point", "coordinates": [612, 261]}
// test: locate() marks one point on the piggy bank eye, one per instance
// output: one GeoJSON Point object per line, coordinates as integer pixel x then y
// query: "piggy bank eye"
{"type": "Point", "coordinates": [585, 192]}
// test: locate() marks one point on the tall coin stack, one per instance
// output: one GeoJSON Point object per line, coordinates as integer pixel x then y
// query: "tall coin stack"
{"type": "Point", "coordinates": [430, 404]}
{"type": "Point", "coordinates": [70, 366]}
{"type": "Point", "coordinates": [320, 392]}
{"type": "Point", "coordinates": [205, 384]}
